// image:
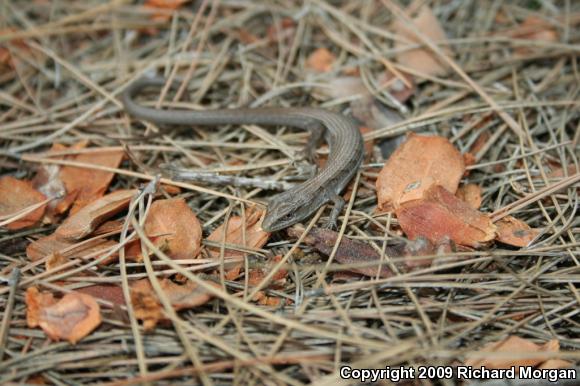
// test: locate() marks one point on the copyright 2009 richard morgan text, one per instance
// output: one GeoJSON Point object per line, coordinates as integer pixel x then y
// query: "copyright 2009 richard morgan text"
{"type": "Point", "coordinates": [396, 374]}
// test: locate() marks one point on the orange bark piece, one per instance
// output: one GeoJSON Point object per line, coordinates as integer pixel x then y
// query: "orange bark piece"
{"type": "Point", "coordinates": [349, 251]}
{"type": "Point", "coordinates": [534, 28]}
{"type": "Point", "coordinates": [173, 224]}
{"type": "Point", "coordinates": [414, 167]}
{"type": "Point", "coordinates": [48, 181]}
{"type": "Point", "coordinates": [36, 301]}
{"type": "Point", "coordinates": [398, 89]}
{"type": "Point", "coordinates": [17, 195]}
{"type": "Point", "coordinates": [269, 301]}
{"type": "Point", "coordinates": [80, 185]}
{"type": "Point", "coordinates": [422, 59]}
{"type": "Point", "coordinates": [512, 344]}
{"type": "Point", "coordinates": [52, 244]}
{"type": "Point", "coordinates": [110, 293]}
{"type": "Point", "coordinates": [470, 194]}
{"type": "Point", "coordinates": [72, 318]}
{"type": "Point", "coordinates": [256, 275]}
{"type": "Point", "coordinates": [163, 4]}
{"type": "Point", "coordinates": [87, 185]}
{"type": "Point", "coordinates": [515, 232]}
{"type": "Point", "coordinates": [321, 60]}
{"type": "Point", "coordinates": [559, 172]}
{"type": "Point", "coordinates": [6, 57]}
{"type": "Point", "coordinates": [54, 261]}
{"type": "Point", "coordinates": [148, 307]}
{"type": "Point", "coordinates": [86, 220]}
{"type": "Point", "coordinates": [555, 364]}
{"type": "Point", "coordinates": [439, 214]}
{"type": "Point", "coordinates": [235, 229]}
{"type": "Point", "coordinates": [480, 142]}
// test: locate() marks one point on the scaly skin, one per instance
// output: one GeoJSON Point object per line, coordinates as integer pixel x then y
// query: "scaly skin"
{"type": "Point", "coordinates": [301, 201]}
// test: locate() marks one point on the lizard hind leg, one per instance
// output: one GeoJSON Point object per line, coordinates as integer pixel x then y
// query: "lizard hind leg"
{"type": "Point", "coordinates": [339, 203]}
{"type": "Point", "coordinates": [317, 131]}
{"type": "Point", "coordinates": [307, 170]}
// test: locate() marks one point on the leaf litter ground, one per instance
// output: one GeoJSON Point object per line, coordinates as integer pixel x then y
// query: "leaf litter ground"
{"type": "Point", "coordinates": [111, 274]}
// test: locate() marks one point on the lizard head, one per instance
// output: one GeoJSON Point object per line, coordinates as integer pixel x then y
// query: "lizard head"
{"type": "Point", "coordinates": [284, 210]}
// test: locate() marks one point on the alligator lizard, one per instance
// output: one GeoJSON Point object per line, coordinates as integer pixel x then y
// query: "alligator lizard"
{"type": "Point", "coordinates": [301, 201]}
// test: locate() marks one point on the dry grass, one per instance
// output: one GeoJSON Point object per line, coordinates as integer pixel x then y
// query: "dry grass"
{"type": "Point", "coordinates": [79, 56]}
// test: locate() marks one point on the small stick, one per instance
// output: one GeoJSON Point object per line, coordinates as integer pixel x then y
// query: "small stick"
{"type": "Point", "coordinates": [217, 179]}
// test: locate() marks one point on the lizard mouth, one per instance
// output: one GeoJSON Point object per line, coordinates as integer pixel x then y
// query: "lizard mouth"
{"type": "Point", "coordinates": [273, 224]}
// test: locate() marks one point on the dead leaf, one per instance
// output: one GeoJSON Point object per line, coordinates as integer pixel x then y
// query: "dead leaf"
{"type": "Point", "coordinates": [244, 36]}
{"type": "Point", "coordinates": [72, 318]}
{"type": "Point", "coordinates": [235, 230]}
{"type": "Point", "coordinates": [86, 220]}
{"type": "Point", "coordinates": [148, 307]}
{"type": "Point", "coordinates": [50, 245]}
{"type": "Point", "coordinates": [416, 166]}
{"type": "Point", "coordinates": [112, 226]}
{"type": "Point", "coordinates": [511, 344]}
{"type": "Point", "coordinates": [269, 301]}
{"type": "Point", "coordinates": [83, 185]}
{"type": "Point", "coordinates": [17, 195]}
{"type": "Point", "coordinates": [55, 260]}
{"type": "Point", "coordinates": [168, 5]}
{"type": "Point", "coordinates": [422, 59]}
{"type": "Point", "coordinates": [110, 293]}
{"type": "Point", "coordinates": [399, 89]}
{"type": "Point", "coordinates": [440, 214]}
{"type": "Point", "coordinates": [558, 172]}
{"type": "Point", "coordinates": [321, 60]}
{"type": "Point", "coordinates": [37, 379]}
{"type": "Point", "coordinates": [48, 182]}
{"type": "Point", "coordinates": [348, 252]}
{"type": "Point", "coordinates": [533, 28]}
{"type": "Point", "coordinates": [470, 194]}
{"type": "Point", "coordinates": [423, 247]}
{"type": "Point", "coordinates": [480, 142]}
{"type": "Point", "coordinates": [9, 61]}
{"type": "Point", "coordinates": [172, 223]}
{"type": "Point", "coordinates": [36, 301]}
{"type": "Point", "coordinates": [356, 252]}
{"type": "Point", "coordinates": [515, 232]}
{"type": "Point", "coordinates": [257, 274]}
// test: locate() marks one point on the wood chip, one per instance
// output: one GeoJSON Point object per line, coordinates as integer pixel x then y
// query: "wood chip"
{"type": "Point", "coordinates": [88, 185]}
{"type": "Point", "coordinates": [515, 345]}
{"type": "Point", "coordinates": [148, 307]}
{"type": "Point", "coordinates": [236, 232]}
{"type": "Point", "coordinates": [71, 318]}
{"type": "Point", "coordinates": [53, 244]}
{"type": "Point", "coordinates": [417, 165]}
{"type": "Point", "coordinates": [17, 195]}
{"type": "Point", "coordinates": [86, 220]}
{"type": "Point", "coordinates": [421, 59]}
{"type": "Point", "coordinates": [470, 194]}
{"type": "Point", "coordinates": [439, 215]}
{"type": "Point", "coordinates": [173, 224]}
{"type": "Point", "coordinates": [109, 292]}
{"type": "Point", "coordinates": [515, 232]}
{"type": "Point", "coordinates": [321, 60]}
